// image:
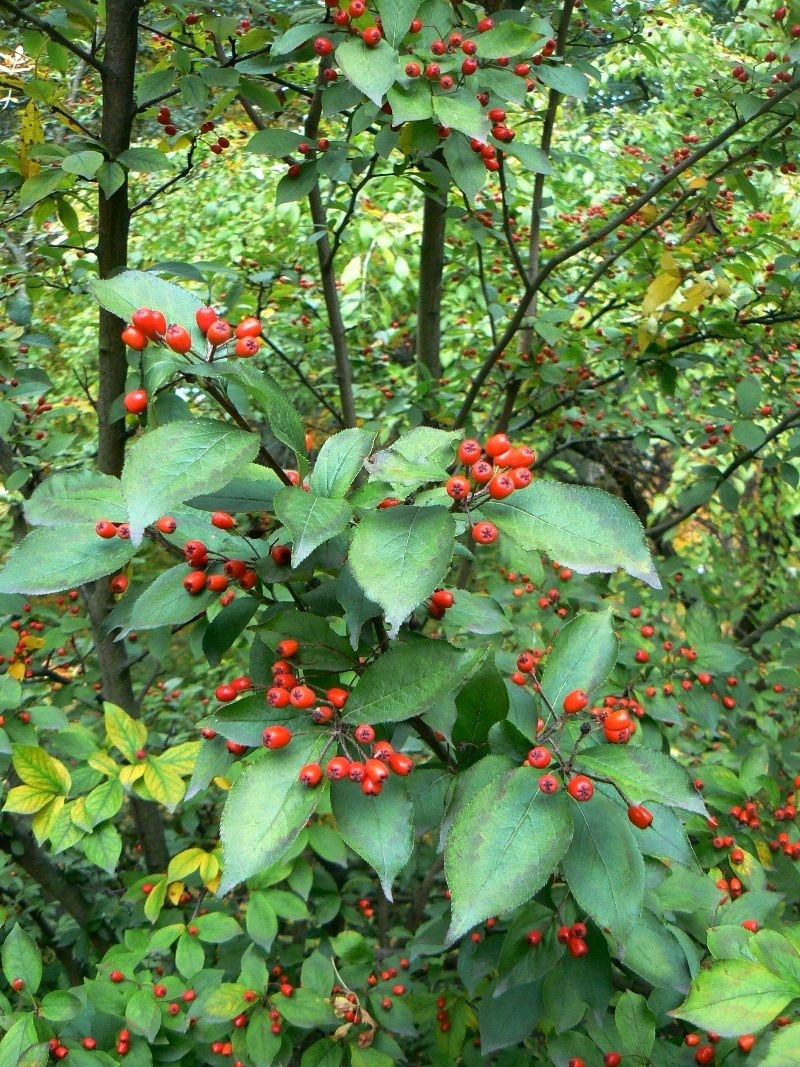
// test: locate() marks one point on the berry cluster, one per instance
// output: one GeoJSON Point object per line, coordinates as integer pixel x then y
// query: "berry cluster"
{"type": "Point", "coordinates": [357, 755]}
{"type": "Point", "coordinates": [164, 118]}
{"type": "Point", "coordinates": [492, 472]}
{"type": "Point", "coordinates": [148, 325]}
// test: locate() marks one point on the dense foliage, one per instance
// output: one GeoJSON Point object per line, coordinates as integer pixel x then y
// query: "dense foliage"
{"type": "Point", "coordinates": [400, 444]}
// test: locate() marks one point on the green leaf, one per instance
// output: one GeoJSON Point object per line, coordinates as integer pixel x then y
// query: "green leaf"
{"type": "Point", "coordinates": [566, 80]}
{"type": "Point", "coordinates": [165, 602]}
{"type": "Point", "coordinates": [371, 70]}
{"type": "Point", "coordinates": [40, 186]}
{"type": "Point", "coordinates": [409, 679]}
{"type": "Point", "coordinates": [145, 160]}
{"type": "Point", "coordinates": [310, 519]}
{"type": "Point", "coordinates": [508, 1018]}
{"type": "Point", "coordinates": [268, 397]}
{"type": "Point", "coordinates": [261, 920]}
{"type": "Point", "coordinates": [400, 555]}
{"type": "Point", "coordinates": [584, 528]}
{"type": "Point", "coordinates": [482, 702]}
{"type": "Point", "coordinates": [583, 656]}
{"type": "Point", "coordinates": [635, 1024]}
{"type": "Point", "coordinates": [216, 928]}
{"type": "Point", "coordinates": [462, 113]}
{"type": "Point", "coordinates": [143, 1014]}
{"type": "Point", "coordinates": [103, 847]}
{"type": "Point", "coordinates": [339, 461]}
{"type": "Point", "coordinates": [323, 1053]}
{"type": "Point", "coordinates": [466, 167]}
{"type": "Point", "coordinates": [412, 103]}
{"type": "Point", "coordinates": [502, 848]}
{"type": "Point", "coordinates": [168, 465]}
{"type": "Point", "coordinates": [276, 143]}
{"type": "Point", "coordinates": [506, 39]}
{"type": "Point", "coordinates": [322, 648]}
{"type": "Point", "coordinates": [477, 614]}
{"type": "Point", "coordinates": [297, 35]}
{"type": "Point", "coordinates": [531, 157]}
{"type": "Point", "coordinates": [295, 186]}
{"type": "Point", "coordinates": [653, 951]}
{"type": "Point", "coordinates": [782, 1047]}
{"type": "Point", "coordinates": [21, 1035]}
{"type": "Point", "coordinates": [60, 1006]}
{"type": "Point", "coordinates": [379, 829]}
{"type": "Point", "coordinates": [224, 628]}
{"type": "Point", "coordinates": [21, 959]}
{"type": "Point", "coordinates": [51, 559]}
{"type": "Point", "coordinates": [748, 395]}
{"type": "Point", "coordinates": [396, 16]}
{"type": "Point", "coordinates": [643, 774]}
{"type": "Point", "coordinates": [604, 867]}
{"type": "Point", "coordinates": [307, 1010]}
{"type": "Point", "coordinates": [132, 289]}
{"type": "Point", "coordinates": [735, 997]}
{"type": "Point", "coordinates": [224, 1002]}
{"type": "Point", "coordinates": [73, 496]}
{"type": "Point", "coordinates": [270, 787]}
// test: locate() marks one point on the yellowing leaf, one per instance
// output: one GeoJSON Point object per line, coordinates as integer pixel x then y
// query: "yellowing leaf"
{"type": "Point", "coordinates": [101, 761]}
{"type": "Point", "coordinates": [659, 291]}
{"type": "Point", "coordinates": [129, 775]}
{"type": "Point", "coordinates": [155, 900]}
{"type": "Point", "coordinates": [25, 800]}
{"type": "Point", "coordinates": [44, 821]}
{"type": "Point", "coordinates": [185, 863]}
{"type": "Point", "coordinates": [698, 183]}
{"type": "Point", "coordinates": [17, 670]}
{"type": "Point", "coordinates": [209, 868]}
{"type": "Point", "coordinates": [80, 816]}
{"type": "Point", "coordinates": [223, 783]}
{"type": "Point", "coordinates": [669, 263]}
{"type": "Point", "coordinates": [695, 295]}
{"type": "Point", "coordinates": [125, 733]}
{"type": "Point", "coordinates": [174, 892]}
{"type": "Point", "coordinates": [163, 784]}
{"type": "Point", "coordinates": [31, 133]}
{"type": "Point", "coordinates": [180, 758]}
{"type": "Point", "coordinates": [31, 642]}
{"type": "Point", "coordinates": [648, 213]}
{"type": "Point", "coordinates": [579, 318]}
{"type": "Point", "coordinates": [40, 770]}
{"type": "Point", "coordinates": [644, 338]}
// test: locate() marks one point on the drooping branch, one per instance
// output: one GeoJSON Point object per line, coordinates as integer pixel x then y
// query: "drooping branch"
{"type": "Point", "coordinates": [769, 624]}
{"type": "Point", "coordinates": [24, 15]}
{"type": "Point", "coordinates": [535, 283]}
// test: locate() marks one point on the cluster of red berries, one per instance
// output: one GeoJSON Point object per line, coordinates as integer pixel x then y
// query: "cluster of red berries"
{"type": "Point", "coordinates": [610, 1059]}
{"type": "Point", "coordinates": [493, 472]}
{"type": "Point", "coordinates": [148, 325]}
{"type": "Point", "coordinates": [440, 601]}
{"type": "Point", "coordinates": [164, 118]}
{"type": "Point", "coordinates": [197, 556]}
{"type": "Point", "coordinates": [705, 1053]}
{"type": "Point", "coordinates": [442, 1015]}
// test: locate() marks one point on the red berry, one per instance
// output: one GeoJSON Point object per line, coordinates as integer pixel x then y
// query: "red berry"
{"type": "Point", "coordinates": [105, 529]}
{"type": "Point", "coordinates": [134, 338]}
{"type": "Point", "coordinates": [222, 520]}
{"type": "Point", "coordinates": [469, 451]}
{"type": "Point", "coordinates": [580, 788]}
{"type": "Point", "coordinates": [204, 317]}
{"type": "Point", "coordinates": [612, 1059]}
{"type": "Point", "coordinates": [178, 338]}
{"type": "Point", "coordinates": [575, 701]}
{"type": "Point", "coordinates": [400, 763]}
{"type": "Point", "coordinates": [457, 487]}
{"type": "Point", "coordinates": [337, 767]}
{"type": "Point", "coordinates": [497, 445]}
{"type": "Point", "coordinates": [311, 775]}
{"type": "Point", "coordinates": [640, 816]}
{"type": "Point", "coordinates": [323, 46]}
{"type": "Point", "coordinates": [166, 524]}
{"type": "Point", "coordinates": [501, 486]}
{"type": "Point", "coordinates": [372, 36]}
{"type": "Point", "coordinates": [249, 327]}
{"type": "Point", "coordinates": [276, 737]}
{"type": "Point", "coordinates": [539, 758]}
{"type": "Point", "coordinates": [484, 533]}
{"type": "Point", "coordinates": [365, 734]}
{"type": "Point", "coordinates": [548, 783]}
{"type": "Point", "coordinates": [136, 401]}
{"type": "Point", "coordinates": [219, 332]}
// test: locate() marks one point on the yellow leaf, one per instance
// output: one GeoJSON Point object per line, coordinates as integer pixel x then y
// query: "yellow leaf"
{"type": "Point", "coordinates": [659, 291]}
{"type": "Point", "coordinates": [669, 263]}
{"type": "Point", "coordinates": [32, 642]}
{"type": "Point", "coordinates": [17, 670]}
{"type": "Point", "coordinates": [648, 213]}
{"type": "Point", "coordinates": [25, 800]}
{"type": "Point", "coordinates": [185, 863]}
{"type": "Point", "coordinates": [579, 318]}
{"type": "Point", "coordinates": [163, 784]}
{"type": "Point", "coordinates": [41, 770]}
{"type": "Point", "coordinates": [174, 892]}
{"type": "Point", "coordinates": [129, 775]}
{"type": "Point", "coordinates": [31, 133]}
{"type": "Point", "coordinates": [101, 761]}
{"type": "Point", "coordinates": [213, 885]}
{"type": "Point", "coordinates": [125, 733]}
{"type": "Point", "coordinates": [695, 295]}
{"type": "Point", "coordinates": [155, 900]}
{"type": "Point", "coordinates": [44, 821]}
{"type": "Point", "coordinates": [180, 758]}
{"type": "Point", "coordinates": [698, 183]}
{"type": "Point", "coordinates": [209, 868]}
{"type": "Point", "coordinates": [80, 816]}
{"type": "Point", "coordinates": [644, 338]}
{"type": "Point", "coordinates": [223, 783]}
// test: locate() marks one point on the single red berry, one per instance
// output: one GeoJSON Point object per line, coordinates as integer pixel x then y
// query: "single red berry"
{"type": "Point", "coordinates": [178, 338]}
{"type": "Point", "coordinates": [575, 701]}
{"type": "Point", "coordinates": [337, 767]}
{"type": "Point", "coordinates": [372, 37]}
{"type": "Point", "coordinates": [236, 748]}
{"type": "Point", "coordinates": [224, 693]}
{"type": "Point", "coordinates": [533, 937]}
{"type": "Point", "coordinates": [484, 533]}
{"type": "Point", "coordinates": [136, 402]}
{"type": "Point", "coordinates": [548, 783]}
{"type": "Point", "coordinates": [457, 487]}
{"type": "Point", "coordinates": [222, 520]}
{"type": "Point", "coordinates": [276, 737]}
{"type": "Point", "coordinates": [497, 444]}
{"type": "Point", "coordinates": [287, 648]}
{"type": "Point", "coordinates": [539, 758]}
{"type": "Point", "coordinates": [376, 770]}
{"type": "Point", "coordinates": [166, 524]}
{"type": "Point", "coordinates": [204, 317]}
{"type": "Point", "coordinates": [481, 471]}
{"type": "Point", "coordinates": [577, 947]}
{"type": "Point", "coordinates": [580, 788]}
{"type": "Point", "coordinates": [302, 696]}
{"type": "Point", "coordinates": [323, 46]}
{"type": "Point", "coordinates": [400, 763]}
{"type": "Point", "coordinates": [219, 332]}
{"type": "Point", "coordinates": [247, 347]}
{"type": "Point", "coordinates": [134, 338]}
{"type": "Point", "coordinates": [365, 734]}
{"type": "Point", "coordinates": [612, 1059]}
{"type": "Point", "coordinates": [105, 529]}
{"type": "Point", "coordinates": [640, 816]}
{"type": "Point", "coordinates": [501, 486]}
{"type": "Point", "coordinates": [469, 451]}
{"type": "Point", "coordinates": [118, 584]}
{"type": "Point", "coordinates": [746, 1042]}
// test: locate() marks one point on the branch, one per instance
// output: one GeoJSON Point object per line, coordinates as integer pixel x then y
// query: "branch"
{"type": "Point", "coordinates": [786, 423]}
{"type": "Point", "coordinates": [264, 457]}
{"type": "Point", "coordinates": [769, 624]}
{"type": "Point", "coordinates": [535, 283]}
{"type": "Point", "coordinates": [53, 34]}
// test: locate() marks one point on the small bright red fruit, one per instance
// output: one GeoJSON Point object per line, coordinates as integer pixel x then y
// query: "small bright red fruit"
{"type": "Point", "coordinates": [539, 757]}
{"type": "Point", "coordinates": [497, 444]}
{"type": "Point", "coordinates": [400, 763]}
{"type": "Point", "coordinates": [276, 737]}
{"type": "Point", "coordinates": [370, 787]}
{"type": "Point", "coordinates": [287, 648]}
{"type": "Point", "coordinates": [151, 323]}
{"type": "Point", "coordinates": [105, 529]}
{"type": "Point", "coordinates": [117, 976]}
{"type": "Point", "coordinates": [166, 524]}
{"type": "Point", "coordinates": [194, 582]}
{"type": "Point", "coordinates": [548, 783]}
{"type": "Point", "coordinates": [204, 317]}
{"type": "Point", "coordinates": [18, 984]}
{"type": "Point", "coordinates": [746, 1042]}
{"type": "Point", "coordinates": [481, 471]}
{"type": "Point", "coordinates": [135, 402]}
{"type": "Point", "coordinates": [219, 332]}
{"type": "Point", "coordinates": [365, 734]}
{"type": "Point", "coordinates": [575, 701]}
{"type": "Point", "coordinates": [236, 748]}
{"type": "Point", "coordinates": [323, 46]}
{"type": "Point", "coordinates": [443, 598]}
{"type": "Point", "coordinates": [372, 37]}
{"type": "Point", "coordinates": [281, 555]}
{"type": "Point", "coordinates": [484, 533]}
{"type": "Point", "coordinates": [338, 767]}
{"type": "Point", "coordinates": [577, 947]}
{"type": "Point", "coordinates": [247, 347]}
{"type": "Point", "coordinates": [134, 338]}
{"type": "Point", "coordinates": [413, 70]}
{"type": "Point", "coordinates": [521, 477]}
{"type": "Point", "coordinates": [224, 693]}
{"type": "Point", "coordinates": [88, 1043]}
{"type": "Point", "coordinates": [310, 774]}
{"type": "Point", "coordinates": [457, 487]}
{"type": "Point", "coordinates": [277, 697]}
{"type": "Point", "coordinates": [501, 486]}
{"type": "Point", "coordinates": [302, 696]}
{"type": "Point", "coordinates": [533, 937]}
{"type": "Point", "coordinates": [640, 816]}
{"type": "Point", "coordinates": [249, 327]}
{"type": "Point", "coordinates": [337, 697]}
{"type": "Point", "coordinates": [580, 788]}
{"type": "Point", "coordinates": [376, 770]}
{"type": "Point", "coordinates": [118, 584]}
{"type": "Point", "coordinates": [705, 1054]}
{"type": "Point", "coordinates": [612, 1059]}
{"type": "Point", "coordinates": [469, 451]}
{"type": "Point", "coordinates": [222, 520]}
{"type": "Point", "coordinates": [178, 338]}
